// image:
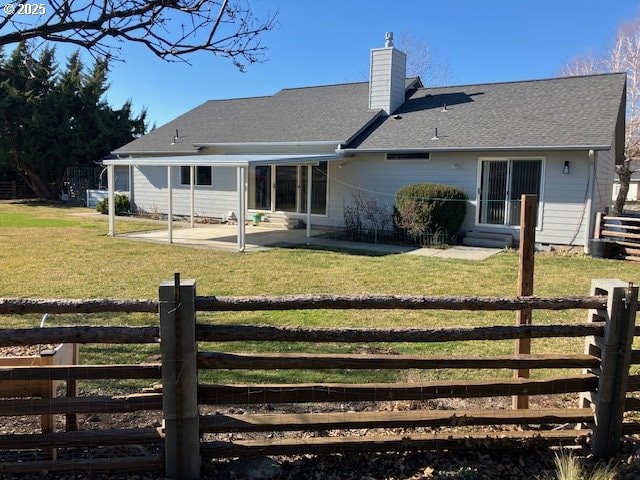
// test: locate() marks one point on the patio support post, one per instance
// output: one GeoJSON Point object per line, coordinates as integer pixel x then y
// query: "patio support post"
{"type": "Point", "coordinates": [192, 182]}
{"type": "Point", "coordinates": [170, 208]}
{"type": "Point", "coordinates": [111, 177]}
{"type": "Point", "coordinates": [309, 183]}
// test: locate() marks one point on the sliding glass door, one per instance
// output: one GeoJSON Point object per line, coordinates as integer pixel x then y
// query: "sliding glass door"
{"type": "Point", "coordinates": [287, 192]}
{"type": "Point", "coordinates": [260, 187]}
{"type": "Point", "coordinates": [286, 187]}
{"type": "Point", "coordinates": [502, 182]}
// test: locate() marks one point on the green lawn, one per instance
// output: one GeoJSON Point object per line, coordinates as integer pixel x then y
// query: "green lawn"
{"type": "Point", "coordinates": [52, 251]}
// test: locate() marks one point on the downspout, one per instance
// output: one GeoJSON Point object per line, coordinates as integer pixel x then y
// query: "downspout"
{"type": "Point", "coordinates": [309, 197]}
{"type": "Point", "coordinates": [111, 177]}
{"type": "Point", "coordinates": [589, 201]}
{"type": "Point", "coordinates": [241, 208]}
{"type": "Point", "coordinates": [192, 194]}
{"type": "Point", "coordinates": [131, 197]}
{"type": "Point", "coordinates": [170, 206]}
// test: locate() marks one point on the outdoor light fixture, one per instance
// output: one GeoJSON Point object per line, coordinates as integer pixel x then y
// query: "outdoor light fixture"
{"type": "Point", "coordinates": [565, 169]}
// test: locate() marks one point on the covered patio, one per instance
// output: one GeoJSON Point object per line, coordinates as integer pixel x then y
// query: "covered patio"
{"type": "Point", "coordinates": [264, 238]}
{"type": "Point", "coordinates": [240, 162]}
{"type": "Point", "coordinates": [224, 236]}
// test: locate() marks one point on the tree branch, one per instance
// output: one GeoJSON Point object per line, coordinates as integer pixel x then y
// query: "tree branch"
{"type": "Point", "coordinates": [171, 30]}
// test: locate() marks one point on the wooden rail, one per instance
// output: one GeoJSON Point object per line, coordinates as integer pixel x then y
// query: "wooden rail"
{"type": "Point", "coordinates": [378, 392]}
{"type": "Point", "coordinates": [85, 439]}
{"type": "Point", "coordinates": [78, 334]}
{"type": "Point", "coordinates": [234, 333]}
{"type": "Point", "coordinates": [389, 443]}
{"type": "Point", "coordinates": [610, 305]}
{"type": "Point", "coordinates": [624, 232]}
{"type": "Point", "coordinates": [80, 372]}
{"type": "Point", "coordinates": [21, 306]}
{"type": "Point", "coordinates": [96, 404]}
{"type": "Point", "coordinates": [245, 361]}
{"type": "Point", "coordinates": [376, 302]}
{"type": "Point", "coordinates": [278, 422]}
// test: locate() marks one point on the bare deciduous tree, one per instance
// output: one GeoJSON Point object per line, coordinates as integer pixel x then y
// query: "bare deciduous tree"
{"type": "Point", "coordinates": [622, 56]}
{"type": "Point", "coordinates": [422, 61]}
{"type": "Point", "coordinates": [171, 29]}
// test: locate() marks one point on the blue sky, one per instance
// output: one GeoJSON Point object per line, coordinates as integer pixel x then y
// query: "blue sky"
{"type": "Point", "coordinates": [328, 41]}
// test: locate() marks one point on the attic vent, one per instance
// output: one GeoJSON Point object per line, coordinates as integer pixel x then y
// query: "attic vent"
{"type": "Point", "coordinates": [408, 156]}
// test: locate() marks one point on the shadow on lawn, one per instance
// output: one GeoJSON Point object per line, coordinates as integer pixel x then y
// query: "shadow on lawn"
{"type": "Point", "coordinates": [345, 250]}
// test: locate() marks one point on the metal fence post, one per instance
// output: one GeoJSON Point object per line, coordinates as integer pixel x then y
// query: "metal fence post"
{"type": "Point", "coordinates": [614, 349]}
{"type": "Point", "coordinates": [179, 379]}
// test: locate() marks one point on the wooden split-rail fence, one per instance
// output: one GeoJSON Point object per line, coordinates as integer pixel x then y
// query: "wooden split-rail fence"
{"type": "Point", "coordinates": [188, 436]}
{"type": "Point", "coordinates": [622, 233]}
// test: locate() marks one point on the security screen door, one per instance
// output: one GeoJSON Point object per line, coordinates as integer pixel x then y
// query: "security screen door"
{"type": "Point", "coordinates": [286, 186]}
{"type": "Point", "coordinates": [502, 183]}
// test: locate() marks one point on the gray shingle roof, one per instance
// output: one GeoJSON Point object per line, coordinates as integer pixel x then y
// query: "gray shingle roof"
{"type": "Point", "coordinates": [561, 112]}
{"type": "Point", "coordinates": [326, 113]}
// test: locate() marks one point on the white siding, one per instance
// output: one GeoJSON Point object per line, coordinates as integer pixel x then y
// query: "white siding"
{"type": "Point", "coordinates": [605, 169]}
{"type": "Point", "coordinates": [563, 203]}
{"type": "Point", "coordinates": [563, 214]}
{"type": "Point", "coordinates": [565, 195]}
{"type": "Point", "coordinates": [210, 201]}
{"type": "Point", "coordinates": [373, 174]}
{"type": "Point", "coordinates": [387, 82]}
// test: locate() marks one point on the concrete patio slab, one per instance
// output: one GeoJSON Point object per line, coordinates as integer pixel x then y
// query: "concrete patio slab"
{"type": "Point", "coordinates": [262, 238]}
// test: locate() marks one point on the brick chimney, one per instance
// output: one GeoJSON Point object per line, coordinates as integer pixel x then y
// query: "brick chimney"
{"type": "Point", "coordinates": [387, 80]}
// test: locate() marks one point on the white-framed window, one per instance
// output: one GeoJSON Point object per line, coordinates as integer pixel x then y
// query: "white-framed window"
{"type": "Point", "coordinates": [501, 182]}
{"type": "Point", "coordinates": [204, 175]}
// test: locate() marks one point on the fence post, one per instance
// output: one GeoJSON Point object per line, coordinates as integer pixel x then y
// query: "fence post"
{"type": "Point", "coordinates": [614, 349]}
{"type": "Point", "coordinates": [14, 189]}
{"type": "Point", "coordinates": [179, 379]}
{"type": "Point", "coordinates": [528, 211]}
{"type": "Point", "coordinates": [598, 226]}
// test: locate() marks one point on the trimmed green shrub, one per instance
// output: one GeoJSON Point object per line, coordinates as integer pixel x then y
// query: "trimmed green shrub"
{"type": "Point", "coordinates": [121, 202]}
{"type": "Point", "coordinates": [428, 207]}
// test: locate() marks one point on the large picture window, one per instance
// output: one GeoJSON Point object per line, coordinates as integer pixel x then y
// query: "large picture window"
{"type": "Point", "coordinates": [203, 175]}
{"type": "Point", "coordinates": [502, 182]}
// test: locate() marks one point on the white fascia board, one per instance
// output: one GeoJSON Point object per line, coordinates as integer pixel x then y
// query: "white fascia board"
{"type": "Point", "coordinates": [154, 153]}
{"type": "Point", "coordinates": [518, 148]}
{"type": "Point", "coordinates": [223, 160]}
{"type": "Point", "coordinates": [319, 143]}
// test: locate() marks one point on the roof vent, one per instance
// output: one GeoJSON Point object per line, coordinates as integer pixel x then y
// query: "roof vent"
{"type": "Point", "coordinates": [176, 137]}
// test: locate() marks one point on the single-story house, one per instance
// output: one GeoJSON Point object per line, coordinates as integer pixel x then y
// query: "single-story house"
{"type": "Point", "coordinates": [304, 153]}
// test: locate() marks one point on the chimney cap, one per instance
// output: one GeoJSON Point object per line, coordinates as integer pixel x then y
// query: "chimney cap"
{"type": "Point", "coordinates": [388, 39]}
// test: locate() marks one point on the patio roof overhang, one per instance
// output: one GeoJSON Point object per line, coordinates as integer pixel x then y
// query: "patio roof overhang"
{"type": "Point", "coordinates": [240, 162]}
{"type": "Point", "coordinates": [248, 160]}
